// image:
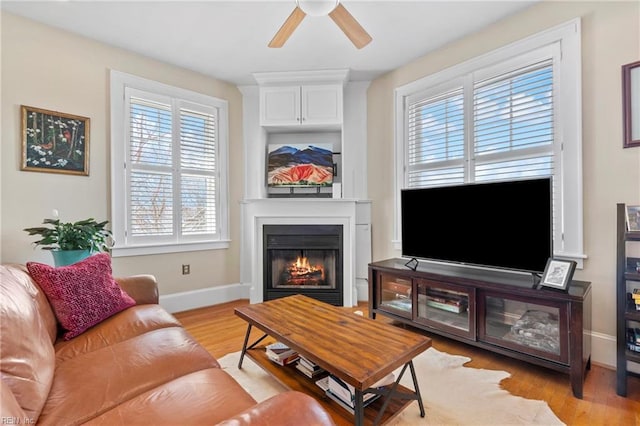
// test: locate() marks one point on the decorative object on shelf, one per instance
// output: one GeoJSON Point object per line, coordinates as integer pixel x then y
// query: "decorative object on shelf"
{"type": "Point", "coordinates": [558, 273]}
{"type": "Point", "coordinates": [71, 242]}
{"type": "Point", "coordinates": [633, 218]}
{"type": "Point", "coordinates": [631, 104]}
{"type": "Point", "coordinates": [299, 165]}
{"type": "Point", "coordinates": [54, 142]}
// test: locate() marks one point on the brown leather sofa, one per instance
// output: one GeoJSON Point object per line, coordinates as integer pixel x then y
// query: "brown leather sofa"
{"type": "Point", "coordinates": [139, 366]}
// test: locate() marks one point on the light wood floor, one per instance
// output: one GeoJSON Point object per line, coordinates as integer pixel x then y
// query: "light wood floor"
{"type": "Point", "coordinates": [221, 332]}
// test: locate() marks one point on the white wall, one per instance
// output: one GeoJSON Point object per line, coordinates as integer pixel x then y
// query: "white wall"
{"type": "Point", "coordinates": [51, 69]}
{"type": "Point", "coordinates": [610, 38]}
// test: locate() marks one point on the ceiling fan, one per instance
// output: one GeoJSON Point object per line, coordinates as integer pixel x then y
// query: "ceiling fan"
{"type": "Point", "coordinates": [347, 23]}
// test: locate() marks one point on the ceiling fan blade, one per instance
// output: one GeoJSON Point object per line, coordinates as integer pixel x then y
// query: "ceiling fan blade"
{"type": "Point", "coordinates": [348, 24]}
{"type": "Point", "coordinates": [287, 28]}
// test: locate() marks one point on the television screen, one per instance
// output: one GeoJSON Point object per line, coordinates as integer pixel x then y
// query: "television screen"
{"type": "Point", "coordinates": [506, 225]}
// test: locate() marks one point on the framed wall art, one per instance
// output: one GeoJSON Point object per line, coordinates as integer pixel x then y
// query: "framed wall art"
{"type": "Point", "coordinates": [558, 273]}
{"type": "Point", "coordinates": [300, 165]}
{"type": "Point", "coordinates": [631, 104]}
{"type": "Point", "coordinates": [54, 142]}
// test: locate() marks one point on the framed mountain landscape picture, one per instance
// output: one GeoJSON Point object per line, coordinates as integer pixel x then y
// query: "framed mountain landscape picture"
{"type": "Point", "coordinates": [54, 142]}
{"type": "Point", "coordinates": [299, 165]}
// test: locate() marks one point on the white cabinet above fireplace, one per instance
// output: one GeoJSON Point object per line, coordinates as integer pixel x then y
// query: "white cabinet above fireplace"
{"type": "Point", "coordinates": [300, 106]}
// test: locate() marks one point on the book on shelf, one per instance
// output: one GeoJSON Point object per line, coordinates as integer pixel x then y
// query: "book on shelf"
{"type": "Point", "coordinates": [633, 336]}
{"type": "Point", "coordinates": [450, 307]}
{"type": "Point", "coordinates": [323, 383]}
{"type": "Point", "coordinates": [281, 354]}
{"type": "Point", "coordinates": [308, 372]}
{"type": "Point", "coordinates": [278, 350]}
{"type": "Point", "coordinates": [308, 368]}
{"type": "Point", "coordinates": [632, 347]}
{"type": "Point", "coordinates": [635, 294]}
{"type": "Point", "coordinates": [349, 407]}
{"type": "Point", "coordinates": [447, 294]}
{"type": "Point", "coordinates": [285, 361]}
{"type": "Point", "coordinates": [347, 392]}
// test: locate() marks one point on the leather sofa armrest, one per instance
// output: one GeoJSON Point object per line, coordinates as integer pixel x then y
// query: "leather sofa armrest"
{"type": "Point", "coordinates": [142, 288]}
{"type": "Point", "coordinates": [285, 409]}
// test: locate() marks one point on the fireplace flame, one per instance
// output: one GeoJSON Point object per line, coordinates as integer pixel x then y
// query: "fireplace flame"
{"type": "Point", "coordinates": [302, 268]}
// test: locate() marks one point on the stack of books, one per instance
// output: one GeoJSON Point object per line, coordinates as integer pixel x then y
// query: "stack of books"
{"type": "Point", "coordinates": [633, 339]}
{"type": "Point", "coordinates": [281, 354]}
{"type": "Point", "coordinates": [635, 295]}
{"type": "Point", "coordinates": [308, 367]}
{"type": "Point", "coordinates": [447, 300]}
{"type": "Point", "coordinates": [345, 394]}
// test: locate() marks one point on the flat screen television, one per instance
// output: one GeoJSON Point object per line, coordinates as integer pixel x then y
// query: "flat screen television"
{"type": "Point", "coordinates": [501, 225]}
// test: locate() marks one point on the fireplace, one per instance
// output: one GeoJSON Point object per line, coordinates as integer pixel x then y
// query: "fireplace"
{"type": "Point", "coordinates": [303, 259]}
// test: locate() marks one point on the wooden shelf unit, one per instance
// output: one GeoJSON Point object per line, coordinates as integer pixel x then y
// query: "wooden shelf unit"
{"type": "Point", "coordinates": [492, 296]}
{"type": "Point", "coordinates": [627, 277]}
{"type": "Point", "coordinates": [292, 379]}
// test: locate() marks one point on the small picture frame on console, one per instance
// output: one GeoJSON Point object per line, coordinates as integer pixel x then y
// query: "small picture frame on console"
{"type": "Point", "coordinates": [633, 218]}
{"type": "Point", "coordinates": [558, 273]}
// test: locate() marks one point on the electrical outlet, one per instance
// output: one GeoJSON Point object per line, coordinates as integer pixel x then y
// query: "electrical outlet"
{"type": "Point", "coordinates": [186, 269]}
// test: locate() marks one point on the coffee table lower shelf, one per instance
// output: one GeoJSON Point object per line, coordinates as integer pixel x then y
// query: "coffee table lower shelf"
{"type": "Point", "coordinates": [292, 379]}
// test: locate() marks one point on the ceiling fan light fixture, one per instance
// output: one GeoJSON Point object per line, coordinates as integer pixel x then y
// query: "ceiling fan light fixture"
{"type": "Point", "coordinates": [317, 7]}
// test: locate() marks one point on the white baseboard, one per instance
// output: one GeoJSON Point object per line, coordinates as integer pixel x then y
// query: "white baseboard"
{"type": "Point", "coordinates": [184, 301]}
{"type": "Point", "coordinates": [362, 287]}
{"type": "Point", "coordinates": [603, 350]}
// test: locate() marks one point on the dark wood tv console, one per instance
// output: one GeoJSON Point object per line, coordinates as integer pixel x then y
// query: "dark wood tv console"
{"type": "Point", "coordinates": [495, 310]}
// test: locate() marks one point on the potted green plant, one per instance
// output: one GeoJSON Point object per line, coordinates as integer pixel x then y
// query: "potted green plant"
{"type": "Point", "coordinates": [72, 241]}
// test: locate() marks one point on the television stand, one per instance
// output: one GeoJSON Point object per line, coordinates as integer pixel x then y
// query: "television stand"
{"type": "Point", "coordinates": [495, 310]}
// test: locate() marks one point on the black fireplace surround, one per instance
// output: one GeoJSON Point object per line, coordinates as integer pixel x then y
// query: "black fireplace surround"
{"type": "Point", "coordinates": [303, 259]}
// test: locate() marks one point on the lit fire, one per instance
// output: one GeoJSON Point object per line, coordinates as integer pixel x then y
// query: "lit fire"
{"type": "Point", "coordinates": [301, 268]}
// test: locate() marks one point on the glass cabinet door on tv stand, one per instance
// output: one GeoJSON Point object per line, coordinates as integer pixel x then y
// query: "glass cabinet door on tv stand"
{"type": "Point", "coordinates": [446, 306]}
{"type": "Point", "coordinates": [395, 294]}
{"type": "Point", "coordinates": [525, 325]}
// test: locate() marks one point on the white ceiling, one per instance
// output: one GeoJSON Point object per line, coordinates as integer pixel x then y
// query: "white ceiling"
{"type": "Point", "coordinates": [228, 39]}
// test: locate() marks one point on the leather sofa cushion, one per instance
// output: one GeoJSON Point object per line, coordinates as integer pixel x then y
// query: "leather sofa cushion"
{"type": "Point", "coordinates": [94, 382]}
{"type": "Point", "coordinates": [204, 397]}
{"type": "Point", "coordinates": [127, 324]}
{"type": "Point", "coordinates": [27, 330]}
{"type": "Point", "coordinates": [82, 294]}
{"type": "Point", "coordinates": [9, 406]}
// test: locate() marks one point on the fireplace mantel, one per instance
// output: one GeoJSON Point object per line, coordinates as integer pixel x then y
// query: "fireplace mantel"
{"type": "Point", "coordinates": [348, 135]}
{"type": "Point", "coordinates": [353, 215]}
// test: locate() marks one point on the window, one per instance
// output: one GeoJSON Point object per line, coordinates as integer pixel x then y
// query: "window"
{"type": "Point", "coordinates": [168, 168]}
{"type": "Point", "coordinates": [510, 114]}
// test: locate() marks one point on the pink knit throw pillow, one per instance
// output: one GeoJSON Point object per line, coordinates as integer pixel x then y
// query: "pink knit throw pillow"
{"type": "Point", "coordinates": [82, 294]}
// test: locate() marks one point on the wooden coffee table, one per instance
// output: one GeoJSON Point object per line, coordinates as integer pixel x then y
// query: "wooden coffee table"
{"type": "Point", "coordinates": [358, 350]}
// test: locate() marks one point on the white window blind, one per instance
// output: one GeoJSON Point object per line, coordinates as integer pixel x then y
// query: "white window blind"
{"type": "Point", "coordinates": [198, 154]}
{"type": "Point", "coordinates": [513, 130]}
{"type": "Point", "coordinates": [172, 168]}
{"type": "Point", "coordinates": [169, 190]}
{"type": "Point", "coordinates": [510, 130]}
{"type": "Point", "coordinates": [436, 140]}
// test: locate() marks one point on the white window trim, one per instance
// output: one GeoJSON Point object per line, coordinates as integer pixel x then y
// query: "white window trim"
{"type": "Point", "coordinates": [120, 81]}
{"type": "Point", "coordinates": [567, 36]}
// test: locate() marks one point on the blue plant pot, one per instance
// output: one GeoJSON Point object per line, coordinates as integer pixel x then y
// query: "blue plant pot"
{"type": "Point", "coordinates": [68, 257]}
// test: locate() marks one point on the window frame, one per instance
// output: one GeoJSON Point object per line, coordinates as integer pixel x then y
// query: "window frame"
{"type": "Point", "coordinates": [564, 41]}
{"type": "Point", "coordinates": [120, 84]}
